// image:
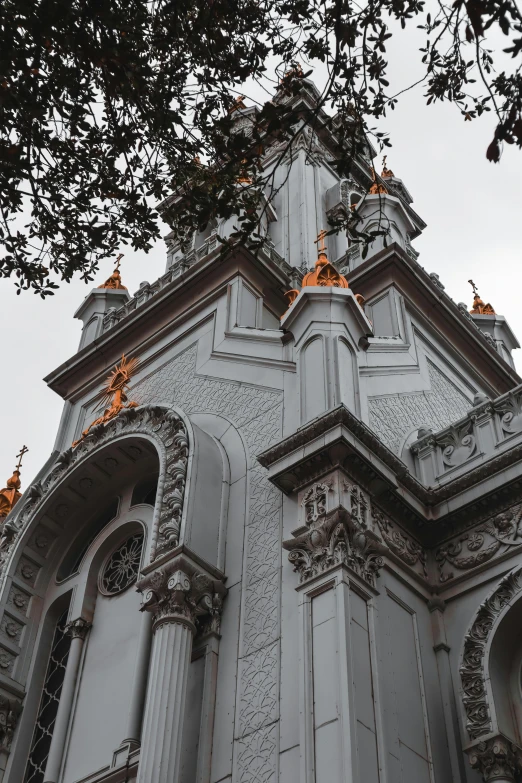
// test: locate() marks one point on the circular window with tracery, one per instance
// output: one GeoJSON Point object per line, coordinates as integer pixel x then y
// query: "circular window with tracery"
{"type": "Point", "coordinates": [122, 568]}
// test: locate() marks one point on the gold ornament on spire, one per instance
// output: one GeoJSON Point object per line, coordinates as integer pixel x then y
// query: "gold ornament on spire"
{"type": "Point", "coordinates": [114, 281]}
{"type": "Point", "coordinates": [10, 495]}
{"type": "Point", "coordinates": [323, 275]}
{"type": "Point", "coordinates": [386, 173]}
{"type": "Point", "coordinates": [238, 104]}
{"type": "Point", "coordinates": [479, 307]}
{"type": "Point", "coordinates": [113, 394]}
{"type": "Point", "coordinates": [377, 188]}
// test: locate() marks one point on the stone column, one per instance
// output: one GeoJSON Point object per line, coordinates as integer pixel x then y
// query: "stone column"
{"type": "Point", "coordinates": [77, 629]}
{"type": "Point", "coordinates": [497, 758]}
{"type": "Point", "coordinates": [139, 683]}
{"type": "Point", "coordinates": [176, 595]}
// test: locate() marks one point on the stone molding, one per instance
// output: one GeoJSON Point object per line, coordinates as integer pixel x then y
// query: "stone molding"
{"type": "Point", "coordinates": [341, 416]}
{"type": "Point", "coordinates": [336, 538]}
{"type": "Point", "coordinates": [180, 592]}
{"type": "Point", "coordinates": [77, 629]}
{"type": "Point", "coordinates": [497, 759]}
{"type": "Point", "coordinates": [473, 675]}
{"type": "Point", "coordinates": [10, 711]}
{"type": "Point", "coordinates": [165, 428]}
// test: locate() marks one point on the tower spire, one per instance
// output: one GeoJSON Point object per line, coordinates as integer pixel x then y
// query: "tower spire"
{"type": "Point", "coordinates": [10, 494]}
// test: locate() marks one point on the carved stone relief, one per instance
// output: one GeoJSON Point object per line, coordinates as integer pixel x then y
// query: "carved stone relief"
{"type": "Point", "coordinates": [337, 537]}
{"type": "Point", "coordinates": [406, 549]}
{"type": "Point", "coordinates": [10, 710]}
{"type": "Point", "coordinates": [493, 537]}
{"type": "Point", "coordinates": [472, 668]}
{"type": "Point", "coordinates": [394, 416]}
{"type": "Point", "coordinates": [458, 445]}
{"type": "Point", "coordinates": [510, 411]}
{"type": "Point", "coordinates": [257, 413]}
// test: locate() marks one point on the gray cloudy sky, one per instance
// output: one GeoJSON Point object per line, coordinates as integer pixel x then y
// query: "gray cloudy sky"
{"type": "Point", "coordinates": [474, 214]}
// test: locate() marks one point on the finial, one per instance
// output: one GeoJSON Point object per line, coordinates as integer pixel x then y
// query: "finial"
{"type": "Point", "coordinates": [479, 306]}
{"type": "Point", "coordinates": [386, 173]}
{"type": "Point", "coordinates": [238, 104]}
{"type": "Point", "coordinates": [113, 393]}
{"type": "Point", "coordinates": [114, 281]}
{"type": "Point", "coordinates": [324, 274]}
{"type": "Point", "coordinates": [377, 188]}
{"type": "Point", "coordinates": [10, 495]}
{"type": "Point", "coordinates": [321, 247]}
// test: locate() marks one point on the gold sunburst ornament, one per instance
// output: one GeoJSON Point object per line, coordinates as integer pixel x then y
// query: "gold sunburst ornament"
{"type": "Point", "coordinates": [114, 394]}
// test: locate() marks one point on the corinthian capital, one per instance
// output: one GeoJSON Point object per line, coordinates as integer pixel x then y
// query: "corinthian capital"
{"type": "Point", "coordinates": [498, 759]}
{"type": "Point", "coordinates": [338, 537]}
{"type": "Point", "coordinates": [181, 593]}
{"type": "Point", "coordinates": [77, 629]}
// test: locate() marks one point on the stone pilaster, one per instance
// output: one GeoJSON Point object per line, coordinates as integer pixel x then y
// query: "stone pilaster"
{"type": "Point", "coordinates": [180, 597]}
{"type": "Point", "coordinates": [498, 759]}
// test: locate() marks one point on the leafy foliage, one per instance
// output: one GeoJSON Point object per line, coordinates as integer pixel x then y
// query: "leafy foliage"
{"type": "Point", "coordinates": [107, 108]}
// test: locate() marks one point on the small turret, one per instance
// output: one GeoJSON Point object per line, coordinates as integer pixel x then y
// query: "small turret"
{"type": "Point", "coordinates": [10, 494]}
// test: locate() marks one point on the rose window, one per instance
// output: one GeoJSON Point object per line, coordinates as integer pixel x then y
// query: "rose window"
{"type": "Point", "coordinates": [122, 567]}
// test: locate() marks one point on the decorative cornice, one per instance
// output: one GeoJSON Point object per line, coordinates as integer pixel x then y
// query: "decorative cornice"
{"type": "Point", "coordinates": [429, 496]}
{"type": "Point", "coordinates": [473, 674]}
{"type": "Point", "coordinates": [497, 759]}
{"type": "Point", "coordinates": [161, 425]}
{"type": "Point", "coordinates": [77, 629]}
{"type": "Point", "coordinates": [180, 593]}
{"type": "Point", "coordinates": [332, 539]}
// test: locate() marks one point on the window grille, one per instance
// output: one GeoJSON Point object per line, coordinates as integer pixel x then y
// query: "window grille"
{"type": "Point", "coordinates": [43, 732]}
{"type": "Point", "coordinates": [122, 568]}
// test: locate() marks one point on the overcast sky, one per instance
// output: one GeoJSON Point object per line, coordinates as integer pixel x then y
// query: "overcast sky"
{"type": "Point", "coordinates": [474, 214]}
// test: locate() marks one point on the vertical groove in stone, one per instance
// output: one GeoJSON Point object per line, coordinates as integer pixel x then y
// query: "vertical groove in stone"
{"type": "Point", "coordinates": [165, 707]}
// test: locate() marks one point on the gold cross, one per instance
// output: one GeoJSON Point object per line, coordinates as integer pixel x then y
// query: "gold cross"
{"type": "Point", "coordinates": [474, 287]}
{"type": "Point", "coordinates": [321, 247]}
{"type": "Point", "coordinates": [19, 456]}
{"type": "Point", "coordinates": [118, 261]}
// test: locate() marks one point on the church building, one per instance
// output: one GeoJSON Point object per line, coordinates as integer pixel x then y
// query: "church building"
{"type": "Point", "coordinates": [279, 539]}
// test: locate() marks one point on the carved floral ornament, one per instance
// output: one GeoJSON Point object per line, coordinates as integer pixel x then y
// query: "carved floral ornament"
{"type": "Point", "coordinates": [159, 424]}
{"type": "Point", "coordinates": [475, 695]}
{"type": "Point", "coordinates": [496, 535]}
{"type": "Point", "coordinates": [336, 538]}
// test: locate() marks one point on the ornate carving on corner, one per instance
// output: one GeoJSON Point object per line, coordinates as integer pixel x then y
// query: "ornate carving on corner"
{"type": "Point", "coordinates": [496, 759]}
{"type": "Point", "coordinates": [472, 667]}
{"type": "Point", "coordinates": [406, 549]}
{"type": "Point", "coordinates": [458, 444]}
{"type": "Point", "coordinates": [494, 537]}
{"type": "Point", "coordinates": [177, 594]}
{"type": "Point", "coordinates": [510, 414]}
{"type": "Point", "coordinates": [10, 711]}
{"type": "Point", "coordinates": [315, 501]}
{"type": "Point", "coordinates": [164, 427]}
{"type": "Point", "coordinates": [336, 538]}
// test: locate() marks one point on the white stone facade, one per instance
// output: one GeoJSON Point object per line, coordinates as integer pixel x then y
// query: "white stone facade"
{"type": "Point", "coordinates": [320, 508]}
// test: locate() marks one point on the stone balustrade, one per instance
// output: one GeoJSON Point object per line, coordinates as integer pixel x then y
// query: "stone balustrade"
{"type": "Point", "coordinates": [491, 428]}
{"type": "Point", "coordinates": [206, 252]}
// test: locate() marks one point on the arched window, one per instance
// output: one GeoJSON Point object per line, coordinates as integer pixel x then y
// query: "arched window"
{"type": "Point", "coordinates": [52, 687]}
